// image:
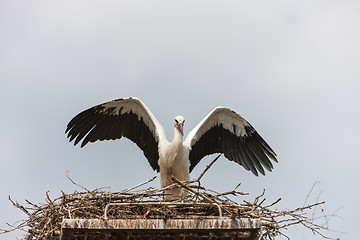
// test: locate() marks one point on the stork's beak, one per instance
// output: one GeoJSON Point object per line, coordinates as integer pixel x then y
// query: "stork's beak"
{"type": "Point", "coordinates": [181, 129]}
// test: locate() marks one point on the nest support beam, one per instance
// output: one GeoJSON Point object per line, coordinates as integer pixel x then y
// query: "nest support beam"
{"type": "Point", "coordinates": [202, 228]}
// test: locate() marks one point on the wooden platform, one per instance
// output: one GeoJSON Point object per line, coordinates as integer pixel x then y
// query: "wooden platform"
{"type": "Point", "coordinates": [200, 228]}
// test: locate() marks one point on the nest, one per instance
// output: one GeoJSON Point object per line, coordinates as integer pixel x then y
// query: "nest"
{"type": "Point", "coordinates": [140, 202]}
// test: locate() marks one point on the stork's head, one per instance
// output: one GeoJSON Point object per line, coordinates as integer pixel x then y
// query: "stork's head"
{"type": "Point", "coordinates": [179, 124]}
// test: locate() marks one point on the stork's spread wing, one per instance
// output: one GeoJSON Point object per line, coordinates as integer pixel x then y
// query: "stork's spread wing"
{"type": "Point", "coordinates": [224, 131]}
{"type": "Point", "coordinates": [128, 118]}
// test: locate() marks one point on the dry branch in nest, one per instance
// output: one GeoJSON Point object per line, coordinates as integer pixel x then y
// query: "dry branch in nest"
{"type": "Point", "coordinates": [44, 220]}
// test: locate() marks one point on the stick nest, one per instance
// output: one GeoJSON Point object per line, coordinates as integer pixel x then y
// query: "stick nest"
{"type": "Point", "coordinates": [139, 202]}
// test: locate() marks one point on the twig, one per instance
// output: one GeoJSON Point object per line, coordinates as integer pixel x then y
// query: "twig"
{"type": "Point", "coordinates": [67, 175]}
{"type": "Point", "coordinates": [272, 204]}
{"type": "Point", "coordinates": [139, 185]}
{"type": "Point", "coordinates": [190, 190]}
{"type": "Point", "coordinates": [258, 197]}
{"type": "Point", "coordinates": [206, 169]}
{"type": "Point", "coordinates": [308, 195]}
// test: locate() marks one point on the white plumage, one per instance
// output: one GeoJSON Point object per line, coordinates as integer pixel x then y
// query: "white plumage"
{"type": "Point", "coordinates": [221, 131]}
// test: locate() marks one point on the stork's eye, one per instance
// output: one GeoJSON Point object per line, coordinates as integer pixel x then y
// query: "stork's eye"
{"type": "Point", "coordinates": [176, 121]}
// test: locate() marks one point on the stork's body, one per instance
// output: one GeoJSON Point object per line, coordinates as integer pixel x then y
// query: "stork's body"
{"type": "Point", "coordinates": [174, 159]}
{"type": "Point", "coordinates": [221, 131]}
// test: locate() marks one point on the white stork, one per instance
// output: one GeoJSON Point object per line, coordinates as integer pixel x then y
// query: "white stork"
{"type": "Point", "coordinates": [221, 131]}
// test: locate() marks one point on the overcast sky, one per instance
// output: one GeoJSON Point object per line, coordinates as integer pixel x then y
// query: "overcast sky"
{"type": "Point", "coordinates": [291, 68]}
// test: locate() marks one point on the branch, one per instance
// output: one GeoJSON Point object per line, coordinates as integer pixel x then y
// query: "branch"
{"type": "Point", "coordinates": [206, 169]}
{"type": "Point", "coordinates": [67, 175]}
{"type": "Point", "coordinates": [190, 190]}
{"type": "Point", "coordinates": [139, 185]}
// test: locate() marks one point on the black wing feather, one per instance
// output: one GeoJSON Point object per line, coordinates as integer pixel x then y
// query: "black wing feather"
{"type": "Point", "coordinates": [104, 123]}
{"type": "Point", "coordinates": [249, 150]}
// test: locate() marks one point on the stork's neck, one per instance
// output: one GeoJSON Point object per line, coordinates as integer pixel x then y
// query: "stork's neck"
{"type": "Point", "coordinates": [177, 137]}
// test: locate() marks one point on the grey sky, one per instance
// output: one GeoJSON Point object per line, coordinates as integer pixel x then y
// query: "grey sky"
{"type": "Point", "coordinates": [290, 68]}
